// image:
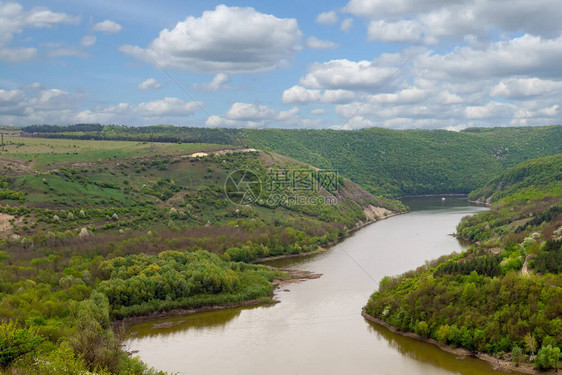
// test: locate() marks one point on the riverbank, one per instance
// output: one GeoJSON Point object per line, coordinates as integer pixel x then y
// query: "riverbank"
{"type": "Point", "coordinates": [485, 204]}
{"type": "Point", "coordinates": [461, 353]}
{"type": "Point", "coordinates": [320, 250]}
{"type": "Point", "coordinates": [293, 276]}
{"type": "Point", "coordinates": [433, 195]}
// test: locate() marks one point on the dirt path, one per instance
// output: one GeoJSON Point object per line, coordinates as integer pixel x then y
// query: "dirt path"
{"type": "Point", "coordinates": [525, 268]}
{"type": "Point", "coordinates": [5, 225]}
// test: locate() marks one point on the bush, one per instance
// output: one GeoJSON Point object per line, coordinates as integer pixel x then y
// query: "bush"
{"type": "Point", "coordinates": [547, 358]}
{"type": "Point", "coordinates": [16, 342]}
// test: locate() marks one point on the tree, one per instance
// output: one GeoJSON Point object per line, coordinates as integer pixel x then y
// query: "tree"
{"type": "Point", "coordinates": [516, 355]}
{"type": "Point", "coordinates": [530, 343]}
{"type": "Point", "coordinates": [547, 358]}
{"type": "Point", "coordinates": [16, 343]}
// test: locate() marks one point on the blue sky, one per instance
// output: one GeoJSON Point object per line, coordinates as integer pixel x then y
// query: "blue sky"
{"type": "Point", "coordinates": [292, 64]}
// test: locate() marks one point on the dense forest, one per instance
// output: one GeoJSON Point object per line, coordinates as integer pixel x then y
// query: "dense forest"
{"type": "Point", "coordinates": [385, 162]}
{"type": "Point", "coordinates": [92, 232]}
{"type": "Point", "coordinates": [539, 172]}
{"type": "Point", "coordinates": [504, 295]}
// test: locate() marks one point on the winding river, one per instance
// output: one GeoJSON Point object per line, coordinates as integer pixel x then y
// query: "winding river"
{"type": "Point", "coordinates": [318, 328]}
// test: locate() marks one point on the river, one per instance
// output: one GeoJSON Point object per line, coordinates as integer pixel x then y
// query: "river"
{"type": "Point", "coordinates": [317, 327]}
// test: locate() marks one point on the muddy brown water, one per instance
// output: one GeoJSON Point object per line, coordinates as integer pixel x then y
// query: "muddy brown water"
{"type": "Point", "coordinates": [317, 328]}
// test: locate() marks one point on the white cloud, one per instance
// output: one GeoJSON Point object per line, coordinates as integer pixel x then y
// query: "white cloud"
{"type": "Point", "coordinates": [168, 107]}
{"type": "Point", "coordinates": [524, 55]}
{"type": "Point", "coordinates": [249, 112]}
{"type": "Point", "coordinates": [404, 31]}
{"type": "Point", "coordinates": [327, 18]}
{"type": "Point", "coordinates": [346, 24]}
{"type": "Point", "coordinates": [227, 40]}
{"type": "Point", "coordinates": [42, 17]}
{"type": "Point", "coordinates": [433, 20]}
{"type": "Point", "coordinates": [88, 41]}
{"type": "Point", "coordinates": [491, 110]}
{"type": "Point", "coordinates": [149, 84]}
{"type": "Point", "coordinates": [107, 26]}
{"type": "Point", "coordinates": [301, 95]}
{"type": "Point", "coordinates": [242, 115]}
{"type": "Point", "coordinates": [34, 104]}
{"type": "Point", "coordinates": [518, 88]}
{"type": "Point", "coordinates": [451, 90]}
{"type": "Point", "coordinates": [14, 19]}
{"type": "Point", "coordinates": [315, 43]}
{"type": "Point", "coordinates": [317, 111]}
{"type": "Point", "coordinates": [347, 74]}
{"type": "Point", "coordinates": [219, 81]}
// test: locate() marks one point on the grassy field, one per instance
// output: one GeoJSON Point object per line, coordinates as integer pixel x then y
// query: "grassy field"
{"type": "Point", "coordinates": [38, 153]}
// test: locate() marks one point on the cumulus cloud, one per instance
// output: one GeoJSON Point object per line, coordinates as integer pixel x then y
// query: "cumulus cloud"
{"type": "Point", "coordinates": [518, 88]}
{"type": "Point", "coordinates": [315, 43]}
{"type": "Point", "coordinates": [149, 84]}
{"type": "Point", "coordinates": [168, 107]}
{"type": "Point", "coordinates": [301, 95]}
{"type": "Point", "coordinates": [404, 31]}
{"type": "Point", "coordinates": [226, 39]}
{"type": "Point", "coordinates": [88, 41]}
{"type": "Point", "coordinates": [327, 18]}
{"type": "Point", "coordinates": [246, 115]}
{"type": "Point", "coordinates": [108, 27]}
{"type": "Point", "coordinates": [524, 55]}
{"type": "Point", "coordinates": [510, 82]}
{"type": "Point", "coordinates": [34, 104]}
{"type": "Point", "coordinates": [433, 20]}
{"type": "Point", "coordinates": [346, 74]}
{"type": "Point", "coordinates": [14, 19]}
{"type": "Point", "coordinates": [219, 81]}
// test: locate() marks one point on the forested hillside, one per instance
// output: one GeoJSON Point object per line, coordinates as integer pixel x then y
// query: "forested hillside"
{"type": "Point", "coordinates": [383, 161]}
{"type": "Point", "coordinates": [504, 295]}
{"type": "Point", "coordinates": [96, 231]}
{"type": "Point", "coordinates": [542, 172]}
{"type": "Point", "coordinates": [409, 162]}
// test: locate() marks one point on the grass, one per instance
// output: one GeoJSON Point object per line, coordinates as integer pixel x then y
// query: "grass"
{"type": "Point", "coordinates": [51, 152]}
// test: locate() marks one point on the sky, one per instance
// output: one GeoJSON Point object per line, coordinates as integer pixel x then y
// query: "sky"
{"type": "Point", "coordinates": [350, 64]}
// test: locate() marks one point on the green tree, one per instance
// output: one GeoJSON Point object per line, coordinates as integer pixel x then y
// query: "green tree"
{"type": "Point", "coordinates": [516, 355]}
{"type": "Point", "coordinates": [530, 343]}
{"type": "Point", "coordinates": [16, 342]}
{"type": "Point", "coordinates": [547, 358]}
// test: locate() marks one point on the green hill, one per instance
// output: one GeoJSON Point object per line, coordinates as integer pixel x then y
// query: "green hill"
{"type": "Point", "coordinates": [96, 231]}
{"type": "Point", "coordinates": [383, 161]}
{"type": "Point", "coordinates": [410, 162]}
{"type": "Point", "coordinates": [541, 172]}
{"type": "Point", "coordinates": [502, 295]}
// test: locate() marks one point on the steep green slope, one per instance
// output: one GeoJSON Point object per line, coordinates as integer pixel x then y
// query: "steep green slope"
{"type": "Point", "coordinates": [502, 295]}
{"type": "Point", "coordinates": [384, 161]}
{"type": "Point", "coordinates": [410, 162]}
{"type": "Point", "coordinates": [541, 172]}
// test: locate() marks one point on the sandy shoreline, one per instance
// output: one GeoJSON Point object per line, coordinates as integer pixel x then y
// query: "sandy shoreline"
{"type": "Point", "coordinates": [461, 353]}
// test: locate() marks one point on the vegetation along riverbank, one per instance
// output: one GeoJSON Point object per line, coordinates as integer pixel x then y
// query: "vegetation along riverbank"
{"type": "Point", "coordinates": [503, 296]}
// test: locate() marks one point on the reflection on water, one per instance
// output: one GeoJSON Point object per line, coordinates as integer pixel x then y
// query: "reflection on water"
{"type": "Point", "coordinates": [421, 351]}
{"type": "Point", "coordinates": [318, 328]}
{"type": "Point", "coordinates": [169, 325]}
